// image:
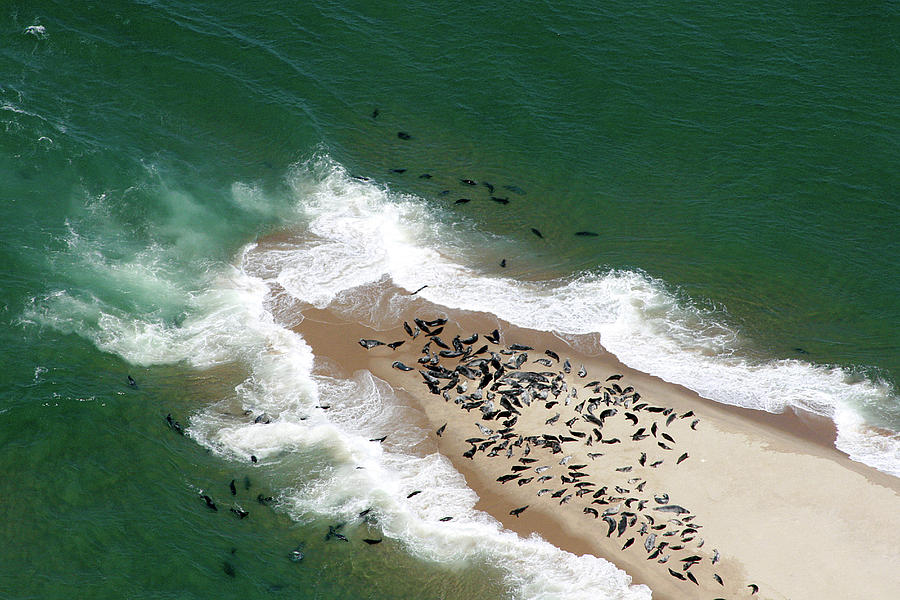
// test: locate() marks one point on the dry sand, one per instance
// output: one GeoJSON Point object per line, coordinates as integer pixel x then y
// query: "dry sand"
{"type": "Point", "coordinates": [770, 494]}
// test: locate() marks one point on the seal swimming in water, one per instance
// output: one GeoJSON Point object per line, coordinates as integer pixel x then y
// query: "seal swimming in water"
{"type": "Point", "coordinates": [372, 542]}
{"type": "Point", "coordinates": [209, 503]}
{"type": "Point", "coordinates": [131, 381]}
{"type": "Point", "coordinates": [403, 135]}
{"type": "Point", "coordinates": [586, 233]}
{"type": "Point", "coordinates": [537, 233]}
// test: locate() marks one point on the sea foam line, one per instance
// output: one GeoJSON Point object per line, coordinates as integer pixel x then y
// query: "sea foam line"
{"type": "Point", "coordinates": [230, 321]}
{"type": "Point", "coordinates": [363, 233]}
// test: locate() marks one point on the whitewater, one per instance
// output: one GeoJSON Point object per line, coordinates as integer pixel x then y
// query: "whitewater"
{"type": "Point", "coordinates": [347, 236]}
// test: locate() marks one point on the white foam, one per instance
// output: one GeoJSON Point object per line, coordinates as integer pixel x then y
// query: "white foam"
{"type": "Point", "coordinates": [358, 237]}
{"type": "Point", "coordinates": [38, 31]}
{"type": "Point", "coordinates": [229, 321]}
{"type": "Point", "coordinates": [362, 234]}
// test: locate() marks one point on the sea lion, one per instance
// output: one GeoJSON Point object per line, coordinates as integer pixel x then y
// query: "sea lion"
{"type": "Point", "coordinates": [174, 424]}
{"type": "Point", "coordinates": [395, 345]}
{"type": "Point", "coordinates": [209, 503]}
{"type": "Point", "coordinates": [296, 555]}
{"type": "Point", "coordinates": [672, 508]}
{"type": "Point", "coordinates": [612, 525]}
{"type": "Point", "coordinates": [441, 429]}
{"type": "Point", "coordinates": [399, 365]}
{"type": "Point", "coordinates": [623, 522]}
{"type": "Point", "coordinates": [681, 458]}
{"type": "Point", "coordinates": [369, 344]}
{"type": "Point", "coordinates": [518, 511]}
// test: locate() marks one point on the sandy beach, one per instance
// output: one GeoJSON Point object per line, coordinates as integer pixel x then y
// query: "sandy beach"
{"type": "Point", "coordinates": [692, 498]}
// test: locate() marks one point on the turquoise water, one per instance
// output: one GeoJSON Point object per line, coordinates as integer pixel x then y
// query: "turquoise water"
{"type": "Point", "coordinates": [738, 163]}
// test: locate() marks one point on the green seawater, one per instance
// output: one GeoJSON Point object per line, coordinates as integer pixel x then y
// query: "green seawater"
{"type": "Point", "coordinates": [746, 154]}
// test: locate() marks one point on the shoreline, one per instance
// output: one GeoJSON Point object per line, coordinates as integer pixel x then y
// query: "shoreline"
{"type": "Point", "coordinates": [769, 492]}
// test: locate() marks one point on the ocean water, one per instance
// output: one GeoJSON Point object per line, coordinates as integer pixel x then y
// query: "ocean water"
{"type": "Point", "coordinates": [737, 163]}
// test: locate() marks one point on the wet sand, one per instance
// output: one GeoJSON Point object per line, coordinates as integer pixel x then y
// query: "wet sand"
{"type": "Point", "coordinates": [768, 494]}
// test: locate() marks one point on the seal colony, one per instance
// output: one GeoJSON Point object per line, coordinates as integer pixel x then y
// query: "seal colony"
{"type": "Point", "coordinates": [548, 424]}
{"type": "Point", "coordinates": [760, 490]}
{"type": "Point", "coordinates": [741, 498]}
